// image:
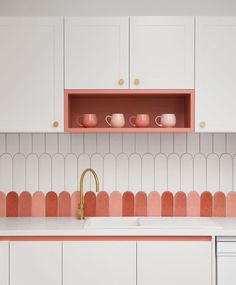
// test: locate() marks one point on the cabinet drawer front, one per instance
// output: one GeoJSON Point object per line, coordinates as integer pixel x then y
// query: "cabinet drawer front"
{"type": "Point", "coordinates": [226, 247]}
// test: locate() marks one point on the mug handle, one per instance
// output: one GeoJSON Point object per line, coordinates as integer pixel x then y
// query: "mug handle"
{"type": "Point", "coordinates": [78, 121]}
{"type": "Point", "coordinates": [130, 121]}
{"type": "Point", "coordinates": [159, 125]}
{"type": "Point", "coordinates": [106, 119]}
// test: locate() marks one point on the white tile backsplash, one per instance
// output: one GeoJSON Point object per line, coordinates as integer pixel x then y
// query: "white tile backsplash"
{"type": "Point", "coordinates": [123, 162]}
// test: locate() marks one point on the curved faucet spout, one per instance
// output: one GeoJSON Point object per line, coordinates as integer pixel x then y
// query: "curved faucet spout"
{"type": "Point", "coordinates": [81, 204]}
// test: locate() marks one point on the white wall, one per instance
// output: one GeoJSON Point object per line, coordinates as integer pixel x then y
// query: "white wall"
{"type": "Point", "coordinates": [117, 7]}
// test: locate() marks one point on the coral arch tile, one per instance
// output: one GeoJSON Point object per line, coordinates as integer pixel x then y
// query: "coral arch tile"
{"type": "Point", "coordinates": [38, 204]}
{"type": "Point", "coordinates": [12, 204]}
{"type": "Point", "coordinates": [64, 204]}
{"type": "Point", "coordinates": [115, 204]}
{"type": "Point", "coordinates": [231, 204]}
{"type": "Point", "coordinates": [51, 204]}
{"type": "Point", "coordinates": [128, 204]}
{"type": "Point", "coordinates": [167, 204]}
{"type": "Point", "coordinates": [193, 204]}
{"type": "Point", "coordinates": [2, 205]}
{"type": "Point", "coordinates": [75, 199]}
{"type": "Point", "coordinates": [180, 204]}
{"type": "Point", "coordinates": [154, 204]}
{"type": "Point", "coordinates": [102, 204]}
{"type": "Point", "coordinates": [219, 204]}
{"type": "Point", "coordinates": [141, 204]}
{"type": "Point", "coordinates": [90, 204]}
{"type": "Point", "coordinates": [206, 204]}
{"type": "Point", "coordinates": [25, 204]}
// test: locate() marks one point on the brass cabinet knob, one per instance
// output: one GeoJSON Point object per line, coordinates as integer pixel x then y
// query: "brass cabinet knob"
{"type": "Point", "coordinates": [136, 81]}
{"type": "Point", "coordinates": [121, 82]}
{"type": "Point", "coordinates": [202, 124]}
{"type": "Point", "coordinates": [55, 124]}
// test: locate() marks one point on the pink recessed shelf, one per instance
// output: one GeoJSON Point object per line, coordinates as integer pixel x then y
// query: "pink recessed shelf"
{"type": "Point", "coordinates": [129, 102]}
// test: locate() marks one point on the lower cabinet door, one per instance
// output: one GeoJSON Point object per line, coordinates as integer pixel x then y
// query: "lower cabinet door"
{"type": "Point", "coordinates": [35, 263]}
{"type": "Point", "coordinates": [4, 263]}
{"type": "Point", "coordinates": [99, 263]}
{"type": "Point", "coordinates": [174, 263]}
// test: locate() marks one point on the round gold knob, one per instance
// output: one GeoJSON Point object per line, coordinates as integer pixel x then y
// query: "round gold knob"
{"type": "Point", "coordinates": [136, 81]}
{"type": "Point", "coordinates": [55, 124]}
{"type": "Point", "coordinates": [121, 82]}
{"type": "Point", "coordinates": [202, 124]}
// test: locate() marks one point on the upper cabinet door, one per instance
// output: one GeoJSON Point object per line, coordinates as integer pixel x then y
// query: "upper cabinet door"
{"type": "Point", "coordinates": [162, 52]}
{"type": "Point", "coordinates": [215, 74]}
{"type": "Point", "coordinates": [96, 52]}
{"type": "Point", "coordinates": [31, 74]}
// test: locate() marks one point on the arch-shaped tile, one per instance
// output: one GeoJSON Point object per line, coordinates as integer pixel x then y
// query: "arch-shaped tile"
{"type": "Point", "coordinates": [122, 172]}
{"type": "Point", "coordinates": [141, 204]}
{"type": "Point", "coordinates": [6, 172]}
{"type": "Point", "coordinates": [206, 204]}
{"type": "Point", "coordinates": [193, 204]}
{"type": "Point", "coordinates": [90, 204]}
{"type": "Point", "coordinates": [231, 204]}
{"type": "Point", "coordinates": [115, 204]}
{"type": "Point", "coordinates": [102, 204]}
{"type": "Point", "coordinates": [64, 204]}
{"type": "Point", "coordinates": [45, 173]}
{"type": "Point", "coordinates": [186, 170]}
{"type": "Point", "coordinates": [51, 204]}
{"type": "Point", "coordinates": [148, 173]}
{"type": "Point", "coordinates": [2, 205]}
{"type": "Point", "coordinates": [199, 173]}
{"type": "Point", "coordinates": [167, 204]}
{"type": "Point", "coordinates": [226, 173]}
{"type": "Point", "coordinates": [71, 177]}
{"type": "Point", "coordinates": [135, 172]}
{"type": "Point", "coordinates": [128, 204]}
{"type": "Point", "coordinates": [38, 204]}
{"type": "Point", "coordinates": [12, 204]}
{"type": "Point", "coordinates": [75, 199]}
{"type": "Point", "coordinates": [32, 171]}
{"type": "Point", "coordinates": [180, 204]}
{"type": "Point", "coordinates": [25, 204]}
{"type": "Point", "coordinates": [97, 166]}
{"type": "Point", "coordinates": [213, 173]}
{"type": "Point", "coordinates": [219, 203]}
{"type": "Point", "coordinates": [154, 204]}
{"type": "Point", "coordinates": [161, 172]}
{"type": "Point", "coordinates": [173, 177]}
{"type": "Point", "coordinates": [18, 172]}
{"type": "Point", "coordinates": [58, 173]}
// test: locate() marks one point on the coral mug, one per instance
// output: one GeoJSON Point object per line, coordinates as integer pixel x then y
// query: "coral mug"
{"type": "Point", "coordinates": [166, 120]}
{"type": "Point", "coordinates": [115, 120]}
{"type": "Point", "coordinates": [140, 121]}
{"type": "Point", "coordinates": [87, 120]}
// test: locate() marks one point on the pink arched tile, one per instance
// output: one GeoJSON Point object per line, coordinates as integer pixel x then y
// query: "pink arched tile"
{"type": "Point", "coordinates": [180, 204]}
{"type": "Point", "coordinates": [102, 204]}
{"type": "Point", "coordinates": [2, 205]}
{"type": "Point", "coordinates": [115, 204]}
{"type": "Point", "coordinates": [167, 204]}
{"type": "Point", "coordinates": [141, 204]}
{"type": "Point", "coordinates": [193, 204]}
{"type": "Point", "coordinates": [12, 204]}
{"type": "Point", "coordinates": [64, 204]}
{"type": "Point", "coordinates": [219, 203]}
{"type": "Point", "coordinates": [154, 204]}
{"type": "Point", "coordinates": [231, 204]}
{"type": "Point", "coordinates": [38, 204]}
{"type": "Point", "coordinates": [128, 204]}
{"type": "Point", "coordinates": [75, 198]}
{"type": "Point", "coordinates": [206, 204]}
{"type": "Point", "coordinates": [25, 204]}
{"type": "Point", "coordinates": [90, 204]}
{"type": "Point", "coordinates": [51, 204]}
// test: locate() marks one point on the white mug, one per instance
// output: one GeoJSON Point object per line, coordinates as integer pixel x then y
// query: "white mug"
{"type": "Point", "coordinates": [166, 120]}
{"type": "Point", "coordinates": [116, 120]}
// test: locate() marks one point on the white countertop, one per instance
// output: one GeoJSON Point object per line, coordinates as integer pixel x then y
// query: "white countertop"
{"type": "Point", "coordinates": [73, 227]}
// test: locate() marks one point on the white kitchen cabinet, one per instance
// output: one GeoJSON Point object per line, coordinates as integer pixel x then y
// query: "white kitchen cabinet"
{"type": "Point", "coordinates": [31, 74]}
{"type": "Point", "coordinates": [174, 262]}
{"type": "Point", "coordinates": [162, 52]}
{"type": "Point", "coordinates": [4, 263]}
{"type": "Point", "coordinates": [99, 263]}
{"type": "Point", "coordinates": [96, 52]}
{"type": "Point", "coordinates": [215, 74]}
{"type": "Point", "coordinates": [226, 262]}
{"type": "Point", "coordinates": [35, 263]}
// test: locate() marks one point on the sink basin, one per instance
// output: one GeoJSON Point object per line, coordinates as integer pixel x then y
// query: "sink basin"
{"type": "Point", "coordinates": [112, 223]}
{"type": "Point", "coordinates": [178, 223]}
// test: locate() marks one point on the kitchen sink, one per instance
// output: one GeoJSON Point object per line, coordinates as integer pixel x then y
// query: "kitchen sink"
{"type": "Point", "coordinates": [112, 222]}
{"type": "Point", "coordinates": [178, 223]}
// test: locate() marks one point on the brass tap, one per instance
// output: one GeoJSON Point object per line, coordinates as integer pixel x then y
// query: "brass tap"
{"type": "Point", "coordinates": [81, 204]}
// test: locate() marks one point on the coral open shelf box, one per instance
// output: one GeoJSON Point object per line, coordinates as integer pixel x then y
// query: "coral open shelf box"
{"type": "Point", "coordinates": [130, 103]}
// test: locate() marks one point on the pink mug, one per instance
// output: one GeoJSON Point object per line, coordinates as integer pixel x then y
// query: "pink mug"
{"type": "Point", "coordinates": [116, 120]}
{"type": "Point", "coordinates": [166, 120]}
{"type": "Point", "coordinates": [141, 121]}
{"type": "Point", "coordinates": [88, 120]}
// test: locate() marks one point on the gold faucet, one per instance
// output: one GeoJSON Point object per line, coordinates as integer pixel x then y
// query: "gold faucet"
{"type": "Point", "coordinates": [81, 204]}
